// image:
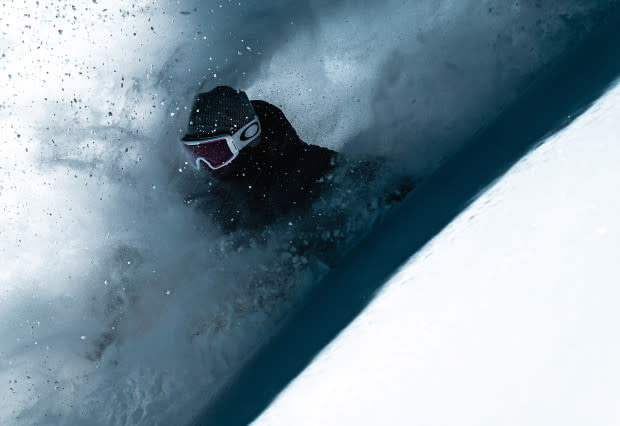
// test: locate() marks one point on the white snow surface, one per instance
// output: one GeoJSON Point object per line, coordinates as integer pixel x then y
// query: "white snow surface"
{"type": "Point", "coordinates": [508, 316]}
{"type": "Point", "coordinates": [119, 304]}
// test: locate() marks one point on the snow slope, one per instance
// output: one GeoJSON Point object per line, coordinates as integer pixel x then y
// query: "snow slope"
{"type": "Point", "coordinates": [508, 316]}
{"type": "Point", "coordinates": [119, 304]}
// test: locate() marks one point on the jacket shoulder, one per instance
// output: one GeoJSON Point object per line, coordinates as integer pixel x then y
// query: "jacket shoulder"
{"type": "Point", "coordinates": [273, 121]}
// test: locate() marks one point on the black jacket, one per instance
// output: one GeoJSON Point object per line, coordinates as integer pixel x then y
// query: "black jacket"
{"type": "Point", "coordinates": [280, 175]}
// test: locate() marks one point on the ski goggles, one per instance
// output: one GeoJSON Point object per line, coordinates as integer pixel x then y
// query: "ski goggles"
{"type": "Point", "coordinates": [219, 151]}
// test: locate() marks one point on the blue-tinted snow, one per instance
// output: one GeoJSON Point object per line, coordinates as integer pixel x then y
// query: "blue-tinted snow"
{"type": "Point", "coordinates": [508, 316]}
{"type": "Point", "coordinates": [120, 304]}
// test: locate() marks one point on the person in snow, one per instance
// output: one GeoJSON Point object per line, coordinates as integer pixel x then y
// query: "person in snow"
{"type": "Point", "coordinates": [261, 169]}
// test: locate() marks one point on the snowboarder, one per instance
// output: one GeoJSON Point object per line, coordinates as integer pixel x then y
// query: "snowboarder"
{"type": "Point", "coordinates": [262, 169]}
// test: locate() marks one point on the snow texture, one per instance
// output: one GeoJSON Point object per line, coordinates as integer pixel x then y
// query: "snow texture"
{"type": "Point", "coordinates": [121, 304]}
{"type": "Point", "coordinates": [508, 316]}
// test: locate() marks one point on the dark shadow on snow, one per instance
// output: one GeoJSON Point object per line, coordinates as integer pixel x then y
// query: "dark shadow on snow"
{"type": "Point", "coordinates": [550, 103]}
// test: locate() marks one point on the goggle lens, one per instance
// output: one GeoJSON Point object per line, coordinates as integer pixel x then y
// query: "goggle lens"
{"type": "Point", "coordinates": [215, 151]}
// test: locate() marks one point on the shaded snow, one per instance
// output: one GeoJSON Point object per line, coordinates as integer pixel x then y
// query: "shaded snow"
{"type": "Point", "coordinates": [508, 316]}
{"type": "Point", "coordinates": [120, 304]}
